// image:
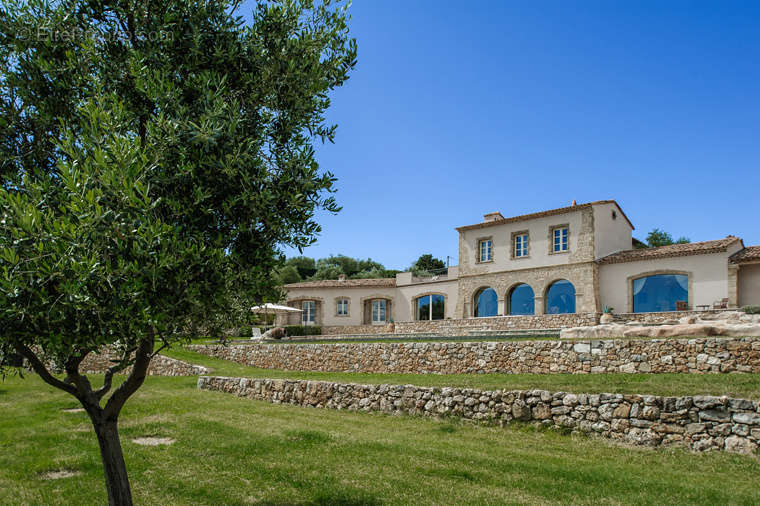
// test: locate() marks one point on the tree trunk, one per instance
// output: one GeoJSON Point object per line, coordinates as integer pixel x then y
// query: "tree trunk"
{"type": "Point", "coordinates": [117, 482]}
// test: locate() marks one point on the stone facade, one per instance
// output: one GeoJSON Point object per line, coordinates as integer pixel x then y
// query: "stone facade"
{"type": "Point", "coordinates": [596, 256]}
{"type": "Point", "coordinates": [539, 270]}
{"type": "Point", "coordinates": [159, 366]}
{"type": "Point", "coordinates": [699, 422]}
{"type": "Point", "coordinates": [581, 275]}
{"type": "Point", "coordinates": [705, 355]}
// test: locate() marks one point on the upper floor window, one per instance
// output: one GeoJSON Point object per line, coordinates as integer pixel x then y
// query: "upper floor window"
{"type": "Point", "coordinates": [559, 237]}
{"type": "Point", "coordinates": [341, 308]}
{"type": "Point", "coordinates": [486, 250]}
{"type": "Point", "coordinates": [520, 244]}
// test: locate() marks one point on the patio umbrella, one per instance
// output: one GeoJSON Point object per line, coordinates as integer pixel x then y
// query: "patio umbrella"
{"type": "Point", "coordinates": [274, 308]}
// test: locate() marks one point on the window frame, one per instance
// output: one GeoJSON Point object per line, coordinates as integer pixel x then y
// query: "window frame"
{"type": "Point", "coordinates": [347, 304]}
{"type": "Point", "coordinates": [525, 244]}
{"type": "Point", "coordinates": [478, 255]}
{"type": "Point", "coordinates": [552, 231]}
{"type": "Point", "coordinates": [384, 311]}
{"type": "Point", "coordinates": [305, 320]}
{"type": "Point", "coordinates": [429, 296]}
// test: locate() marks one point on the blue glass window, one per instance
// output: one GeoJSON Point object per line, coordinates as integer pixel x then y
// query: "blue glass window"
{"type": "Point", "coordinates": [521, 300]}
{"type": "Point", "coordinates": [486, 303]}
{"type": "Point", "coordinates": [486, 250]}
{"type": "Point", "coordinates": [560, 298]}
{"type": "Point", "coordinates": [378, 311]}
{"type": "Point", "coordinates": [521, 245]}
{"type": "Point", "coordinates": [431, 307]}
{"type": "Point", "coordinates": [560, 239]}
{"type": "Point", "coordinates": [659, 292]}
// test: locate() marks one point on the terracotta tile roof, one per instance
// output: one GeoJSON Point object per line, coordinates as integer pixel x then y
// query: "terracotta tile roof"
{"type": "Point", "coordinates": [335, 283]}
{"type": "Point", "coordinates": [674, 250]}
{"type": "Point", "coordinates": [747, 255]}
{"type": "Point", "coordinates": [550, 212]}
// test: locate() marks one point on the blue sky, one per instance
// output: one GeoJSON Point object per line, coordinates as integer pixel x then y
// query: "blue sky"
{"type": "Point", "coordinates": [457, 109]}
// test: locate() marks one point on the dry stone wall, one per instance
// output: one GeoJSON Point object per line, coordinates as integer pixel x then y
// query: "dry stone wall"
{"type": "Point", "coordinates": [356, 329]}
{"type": "Point", "coordinates": [462, 327]}
{"type": "Point", "coordinates": [703, 355]}
{"type": "Point", "coordinates": [159, 366]}
{"type": "Point", "coordinates": [663, 316]}
{"type": "Point", "coordinates": [699, 422]}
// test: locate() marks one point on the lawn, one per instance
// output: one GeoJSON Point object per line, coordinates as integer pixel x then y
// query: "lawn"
{"type": "Point", "coordinates": [745, 386]}
{"type": "Point", "coordinates": [230, 450]}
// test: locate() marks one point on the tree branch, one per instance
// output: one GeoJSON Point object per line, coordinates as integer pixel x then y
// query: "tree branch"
{"type": "Point", "coordinates": [42, 371]}
{"type": "Point", "coordinates": [108, 379]}
{"type": "Point", "coordinates": [163, 346]}
{"type": "Point", "coordinates": [133, 381]}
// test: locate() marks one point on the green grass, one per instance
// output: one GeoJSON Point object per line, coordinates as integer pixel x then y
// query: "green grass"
{"type": "Point", "coordinates": [236, 451]}
{"type": "Point", "coordinates": [745, 386]}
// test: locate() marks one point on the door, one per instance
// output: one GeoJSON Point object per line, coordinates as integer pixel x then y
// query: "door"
{"type": "Point", "coordinates": [378, 312]}
{"type": "Point", "coordinates": [307, 314]}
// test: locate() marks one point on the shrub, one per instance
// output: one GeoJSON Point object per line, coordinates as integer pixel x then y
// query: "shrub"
{"type": "Point", "coordinates": [751, 309]}
{"type": "Point", "coordinates": [303, 330]}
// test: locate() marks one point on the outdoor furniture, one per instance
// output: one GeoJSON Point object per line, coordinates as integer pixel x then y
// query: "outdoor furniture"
{"type": "Point", "coordinates": [276, 309]}
{"type": "Point", "coordinates": [721, 304]}
{"type": "Point", "coordinates": [682, 305]}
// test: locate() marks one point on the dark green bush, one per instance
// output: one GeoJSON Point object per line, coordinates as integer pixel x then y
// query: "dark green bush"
{"type": "Point", "coordinates": [751, 309]}
{"type": "Point", "coordinates": [303, 330]}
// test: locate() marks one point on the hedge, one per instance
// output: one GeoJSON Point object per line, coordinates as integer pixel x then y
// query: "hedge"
{"type": "Point", "coordinates": [303, 330]}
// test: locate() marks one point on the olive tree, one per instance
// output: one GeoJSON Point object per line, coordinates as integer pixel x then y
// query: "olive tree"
{"type": "Point", "coordinates": [155, 157]}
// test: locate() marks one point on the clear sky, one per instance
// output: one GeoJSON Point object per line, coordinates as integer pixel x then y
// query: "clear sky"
{"type": "Point", "coordinates": [457, 109]}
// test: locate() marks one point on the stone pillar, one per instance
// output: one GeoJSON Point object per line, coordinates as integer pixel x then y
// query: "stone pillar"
{"type": "Point", "coordinates": [580, 304]}
{"type": "Point", "coordinates": [502, 307]}
{"type": "Point", "coordinates": [538, 304]}
{"type": "Point", "coordinates": [467, 312]}
{"type": "Point", "coordinates": [733, 285]}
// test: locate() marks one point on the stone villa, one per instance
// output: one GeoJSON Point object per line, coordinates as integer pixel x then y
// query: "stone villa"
{"type": "Point", "coordinates": [552, 269]}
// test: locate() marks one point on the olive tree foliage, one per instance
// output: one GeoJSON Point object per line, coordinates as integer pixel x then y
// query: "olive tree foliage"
{"type": "Point", "coordinates": [155, 156]}
{"type": "Point", "coordinates": [658, 237]}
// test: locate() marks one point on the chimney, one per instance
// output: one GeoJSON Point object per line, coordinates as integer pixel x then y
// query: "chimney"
{"type": "Point", "coordinates": [492, 217]}
{"type": "Point", "coordinates": [341, 277]}
{"type": "Point", "coordinates": [574, 203]}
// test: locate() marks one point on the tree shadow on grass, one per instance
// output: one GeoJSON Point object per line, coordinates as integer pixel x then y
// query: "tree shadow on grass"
{"type": "Point", "coordinates": [348, 497]}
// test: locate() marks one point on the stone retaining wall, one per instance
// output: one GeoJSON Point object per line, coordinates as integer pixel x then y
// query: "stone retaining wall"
{"type": "Point", "coordinates": [713, 355]}
{"type": "Point", "coordinates": [699, 422]}
{"type": "Point", "coordinates": [463, 326]}
{"type": "Point", "coordinates": [159, 366]}
{"type": "Point", "coordinates": [356, 329]}
{"type": "Point", "coordinates": [661, 317]}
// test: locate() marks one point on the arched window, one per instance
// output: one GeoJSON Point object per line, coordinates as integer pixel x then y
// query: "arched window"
{"type": "Point", "coordinates": [521, 300]}
{"type": "Point", "coordinates": [660, 292]}
{"type": "Point", "coordinates": [430, 307]}
{"type": "Point", "coordinates": [486, 302]}
{"type": "Point", "coordinates": [560, 297]}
